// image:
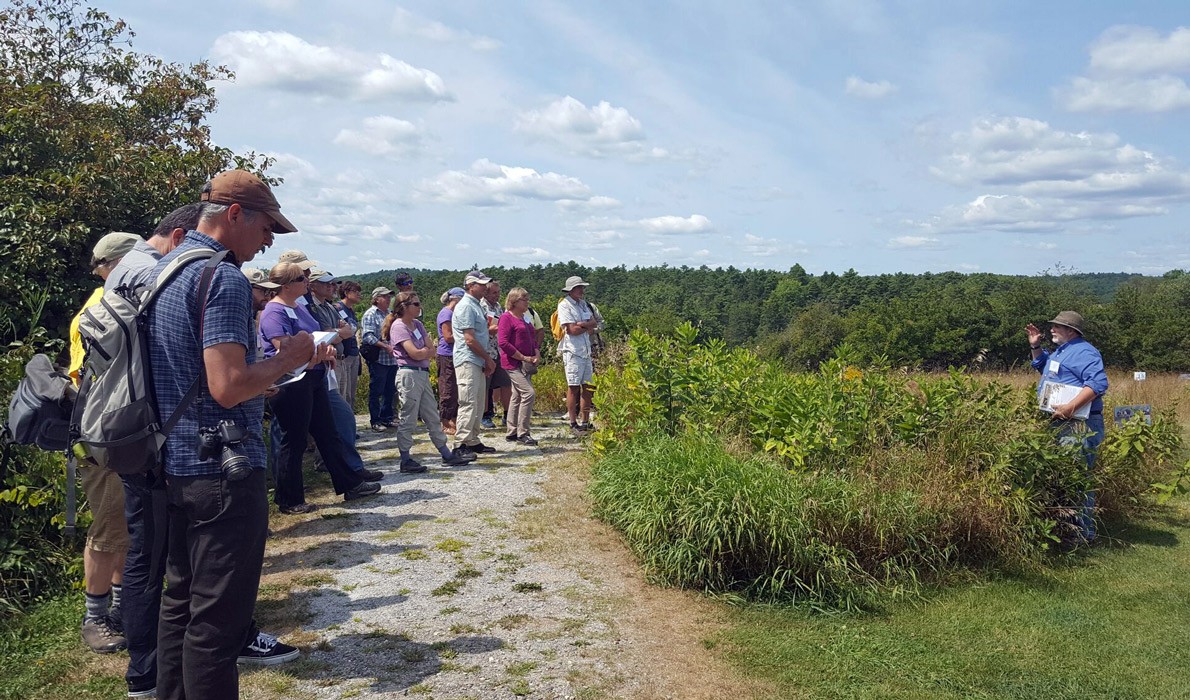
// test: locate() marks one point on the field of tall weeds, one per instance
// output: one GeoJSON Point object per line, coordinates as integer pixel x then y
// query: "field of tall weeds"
{"type": "Point", "coordinates": [850, 485]}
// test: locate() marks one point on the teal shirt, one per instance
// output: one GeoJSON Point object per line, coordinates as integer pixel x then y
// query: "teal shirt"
{"type": "Point", "coordinates": [469, 314]}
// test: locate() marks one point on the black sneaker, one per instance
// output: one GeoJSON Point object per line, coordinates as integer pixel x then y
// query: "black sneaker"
{"type": "Point", "coordinates": [136, 690]}
{"type": "Point", "coordinates": [481, 449]}
{"type": "Point", "coordinates": [576, 430]}
{"type": "Point", "coordinates": [371, 474]}
{"type": "Point", "coordinates": [465, 453]}
{"type": "Point", "coordinates": [526, 440]}
{"type": "Point", "coordinates": [365, 489]}
{"type": "Point", "coordinates": [510, 438]}
{"type": "Point", "coordinates": [379, 427]}
{"type": "Point", "coordinates": [99, 635]}
{"type": "Point", "coordinates": [587, 427]}
{"type": "Point", "coordinates": [266, 650]}
{"type": "Point", "coordinates": [412, 466]}
{"type": "Point", "coordinates": [457, 460]}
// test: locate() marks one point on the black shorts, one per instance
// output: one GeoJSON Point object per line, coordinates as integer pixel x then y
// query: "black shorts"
{"type": "Point", "coordinates": [499, 379]}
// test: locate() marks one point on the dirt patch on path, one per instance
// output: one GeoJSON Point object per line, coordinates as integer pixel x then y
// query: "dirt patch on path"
{"type": "Point", "coordinates": [487, 581]}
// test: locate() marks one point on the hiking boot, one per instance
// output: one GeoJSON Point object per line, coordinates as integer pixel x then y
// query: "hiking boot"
{"type": "Point", "coordinates": [297, 509]}
{"type": "Point", "coordinates": [99, 635]}
{"type": "Point", "coordinates": [412, 466]}
{"type": "Point", "coordinates": [266, 650]}
{"type": "Point", "coordinates": [371, 474]}
{"type": "Point", "coordinates": [481, 449]}
{"type": "Point", "coordinates": [587, 427]}
{"type": "Point", "coordinates": [487, 424]}
{"type": "Point", "coordinates": [526, 440]}
{"type": "Point", "coordinates": [379, 427]}
{"type": "Point", "coordinates": [365, 489]}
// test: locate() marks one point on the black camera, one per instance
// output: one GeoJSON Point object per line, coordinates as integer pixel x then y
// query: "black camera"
{"type": "Point", "coordinates": [225, 441]}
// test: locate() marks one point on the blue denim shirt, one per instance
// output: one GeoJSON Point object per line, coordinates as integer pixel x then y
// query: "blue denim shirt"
{"type": "Point", "coordinates": [1075, 362]}
{"type": "Point", "coordinates": [469, 313]}
{"type": "Point", "coordinates": [176, 356]}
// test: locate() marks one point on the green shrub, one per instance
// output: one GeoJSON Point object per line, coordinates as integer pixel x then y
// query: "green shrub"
{"type": "Point", "coordinates": [36, 559]}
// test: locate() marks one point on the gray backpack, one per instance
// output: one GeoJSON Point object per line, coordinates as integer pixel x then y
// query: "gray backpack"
{"type": "Point", "coordinates": [115, 415]}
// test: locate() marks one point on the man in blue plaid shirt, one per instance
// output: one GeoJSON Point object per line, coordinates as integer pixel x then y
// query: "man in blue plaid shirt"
{"type": "Point", "coordinates": [217, 522]}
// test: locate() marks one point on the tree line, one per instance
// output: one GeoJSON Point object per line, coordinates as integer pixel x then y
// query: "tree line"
{"type": "Point", "coordinates": [927, 321]}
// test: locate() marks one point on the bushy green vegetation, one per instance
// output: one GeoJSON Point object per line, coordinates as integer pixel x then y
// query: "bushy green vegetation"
{"type": "Point", "coordinates": [843, 486]}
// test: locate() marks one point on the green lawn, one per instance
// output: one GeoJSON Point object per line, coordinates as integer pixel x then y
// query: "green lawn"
{"type": "Point", "coordinates": [1112, 625]}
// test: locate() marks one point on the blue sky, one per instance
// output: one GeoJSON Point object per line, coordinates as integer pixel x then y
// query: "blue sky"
{"type": "Point", "coordinates": [1009, 137]}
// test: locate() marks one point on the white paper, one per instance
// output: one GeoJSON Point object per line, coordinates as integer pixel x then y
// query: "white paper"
{"type": "Point", "coordinates": [1056, 394]}
{"type": "Point", "coordinates": [324, 337]}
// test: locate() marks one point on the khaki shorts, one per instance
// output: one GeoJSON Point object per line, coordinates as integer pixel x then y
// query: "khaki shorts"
{"type": "Point", "coordinates": [105, 496]}
{"type": "Point", "coordinates": [579, 370]}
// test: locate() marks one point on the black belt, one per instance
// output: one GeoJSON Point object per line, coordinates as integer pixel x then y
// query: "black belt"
{"type": "Point", "coordinates": [422, 369]}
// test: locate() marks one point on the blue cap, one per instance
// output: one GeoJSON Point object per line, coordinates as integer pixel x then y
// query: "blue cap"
{"type": "Point", "coordinates": [455, 292]}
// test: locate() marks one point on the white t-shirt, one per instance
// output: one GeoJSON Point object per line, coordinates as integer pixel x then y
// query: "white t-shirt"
{"type": "Point", "coordinates": [571, 311]}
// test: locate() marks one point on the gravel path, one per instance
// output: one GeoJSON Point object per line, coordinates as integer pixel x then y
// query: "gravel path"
{"type": "Point", "coordinates": [430, 589]}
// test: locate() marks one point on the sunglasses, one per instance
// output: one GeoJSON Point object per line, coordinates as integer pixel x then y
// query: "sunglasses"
{"type": "Point", "coordinates": [267, 292]}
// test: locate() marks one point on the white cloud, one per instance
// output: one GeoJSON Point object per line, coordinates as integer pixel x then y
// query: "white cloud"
{"type": "Point", "coordinates": [528, 253]}
{"type": "Point", "coordinates": [597, 202]}
{"type": "Point", "coordinates": [912, 242]}
{"type": "Point", "coordinates": [409, 239]}
{"type": "Point", "coordinates": [1046, 177]}
{"type": "Point", "coordinates": [382, 136]}
{"type": "Point", "coordinates": [858, 87]}
{"type": "Point", "coordinates": [407, 24]}
{"type": "Point", "coordinates": [286, 62]}
{"type": "Point", "coordinates": [490, 184]}
{"type": "Point", "coordinates": [600, 131]}
{"type": "Point", "coordinates": [1133, 69]}
{"type": "Point", "coordinates": [676, 225]}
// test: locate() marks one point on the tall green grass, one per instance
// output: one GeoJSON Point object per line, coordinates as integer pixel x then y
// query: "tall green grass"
{"type": "Point", "coordinates": [842, 487]}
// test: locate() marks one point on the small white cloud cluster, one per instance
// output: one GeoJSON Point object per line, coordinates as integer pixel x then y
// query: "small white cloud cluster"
{"type": "Point", "coordinates": [1133, 69]}
{"type": "Point", "coordinates": [285, 62]}
{"type": "Point", "coordinates": [488, 184]}
{"type": "Point", "coordinates": [383, 136]}
{"type": "Point", "coordinates": [407, 24]}
{"type": "Point", "coordinates": [1046, 178]}
{"type": "Point", "coordinates": [600, 131]}
{"type": "Point", "coordinates": [863, 89]}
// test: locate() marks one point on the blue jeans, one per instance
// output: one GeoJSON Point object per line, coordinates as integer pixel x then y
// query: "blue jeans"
{"type": "Point", "coordinates": [144, 570]}
{"type": "Point", "coordinates": [1089, 435]}
{"type": "Point", "coordinates": [382, 388]}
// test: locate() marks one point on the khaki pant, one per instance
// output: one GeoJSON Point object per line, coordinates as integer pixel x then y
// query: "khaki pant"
{"type": "Point", "coordinates": [105, 497]}
{"type": "Point", "coordinates": [472, 386]}
{"type": "Point", "coordinates": [347, 372]}
{"type": "Point", "coordinates": [417, 400]}
{"type": "Point", "coordinates": [520, 407]}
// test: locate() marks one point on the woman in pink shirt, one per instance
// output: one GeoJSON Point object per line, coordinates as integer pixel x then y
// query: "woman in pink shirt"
{"type": "Point", "coordinates": [518, 354]}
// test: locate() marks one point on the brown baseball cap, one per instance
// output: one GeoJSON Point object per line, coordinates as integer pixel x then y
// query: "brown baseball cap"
{"type": "Point", "coordinates": [243, 188]}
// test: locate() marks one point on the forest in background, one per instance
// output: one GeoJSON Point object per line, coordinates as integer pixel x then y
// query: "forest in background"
{"type": "Point", "coordinates": [924, 321]}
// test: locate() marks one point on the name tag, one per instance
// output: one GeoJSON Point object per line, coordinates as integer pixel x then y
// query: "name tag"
{"type": "Point", "coordinates": [416, 334]}
{"type": "Point", "coordinates": [303, 301]}
{"type": "Point", "coordinates": [342, 314]}
{"type": "Point", "coordinates": [290, 312]}
{"type": "Point", "coordinates": [1054, 365]}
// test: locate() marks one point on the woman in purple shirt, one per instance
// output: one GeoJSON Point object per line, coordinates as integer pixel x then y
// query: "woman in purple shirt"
{"type": "Point", "coordinates": [409, 342]}
{"type": "Point", "coordinates": [448, 388]}
{"type": "Point", "coordinates": [518, 354]}
{"type": "Point", "coordinates": [296, 402]}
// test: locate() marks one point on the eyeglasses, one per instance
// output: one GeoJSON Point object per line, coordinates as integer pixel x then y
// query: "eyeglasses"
{"type": "Point", "coordinates": [267, 292]}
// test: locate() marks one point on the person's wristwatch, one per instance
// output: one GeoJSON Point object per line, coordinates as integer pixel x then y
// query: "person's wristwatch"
{"type": "Point", "coordinates": [1034, 347]}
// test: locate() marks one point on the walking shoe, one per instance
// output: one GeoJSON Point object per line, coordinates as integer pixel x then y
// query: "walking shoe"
{"type": "Point", "coordinates": [379, 427]}
{"type": "Point", "coordinates": [298, 509]}
{"type": "Point", "coordinates": [457, 460]}
{"type": "Point", "coordinates": [481, 449]}
{"type": "Point", "coordinates": [390, 423]}
{"type": "Point", "coordinates": [577, 430]}
{"type": "Point", "coordinates": [511, 438]}
{"type": "Point", "coordinates": [587, 427]}
{"type": "Point", "coordinates": [412, 466]}
{"type": "Point", "coordinates": [99, 635]}
{"type": "Point", "coordinates": [526, 440]}
{"type": "Point", "coordinates": [487, 424]}
{"type": "Point", "coordinates": [371, 474]}
{"type": "Point", "coordinates": [266, 650]}
{"type": "Point", "coordinates": [365, 489]}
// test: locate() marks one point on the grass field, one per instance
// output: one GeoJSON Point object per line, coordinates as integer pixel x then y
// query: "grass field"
{"type": "Point", "coordinates": [1112, 625]}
